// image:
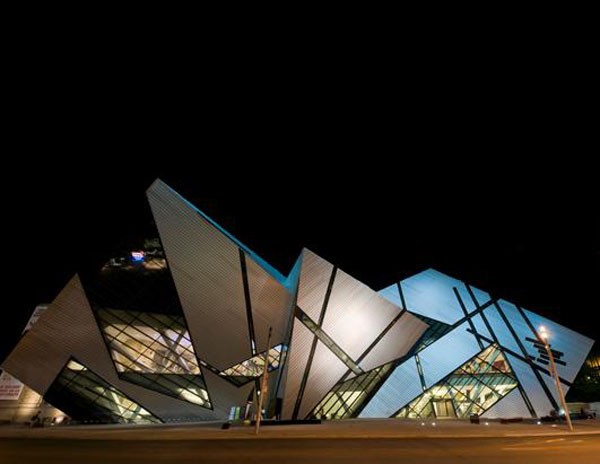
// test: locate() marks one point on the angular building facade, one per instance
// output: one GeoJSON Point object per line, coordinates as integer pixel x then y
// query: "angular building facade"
{"type": "Point", "coordinates": [178, 331]}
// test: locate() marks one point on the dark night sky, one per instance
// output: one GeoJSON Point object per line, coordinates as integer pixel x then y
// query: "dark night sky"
{"type": "Point", "coordinates": [472, 166]}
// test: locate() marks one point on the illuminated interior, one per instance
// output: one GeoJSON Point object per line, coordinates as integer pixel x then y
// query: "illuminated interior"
{"type": "Point", "coordinates": [85, 397]}
{"type": "Point", "coordinates": [471, 389]}
{"type": "Point", "coordinates": [154, 351]}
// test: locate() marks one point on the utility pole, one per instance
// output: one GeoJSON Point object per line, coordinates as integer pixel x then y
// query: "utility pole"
{"type": "Point", "coordinates": [543, 338]}
{"type": "Point", "coordinates": [263, 387]}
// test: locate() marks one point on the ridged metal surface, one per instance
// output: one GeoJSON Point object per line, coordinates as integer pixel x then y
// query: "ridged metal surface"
{"type": "Point", "coordinates": [315, 274]}
{"type": "Point", "coordinates": [573, 345]}
{"type": "Point", "coordinates": [448, 354]}
{"type": "Point", "coordinates": [501, 330]}
{"type": "Point", "coordinates": [431, 294]}
{"type": "Point", "coordinates": [68, 329]}
{"type": "Point", "coordinates": [401, 387]}
{"type": "Point", "coordinates": [206, 269]}
{"type": "Point", "coordinates": [529, 382]}
{"type": "Point", "coordinates": [480, 326]}
{"type": "Point", "coordinates": [325, 371]}
{"type": "Point", "coordinates": [512, 405]}
{"type": "Point", "coordinates": [396, 342]}
{"type": "Point", "coordinates": [356, 315]}
{"type": "Point", "coordinates": [299, 350]}
{"type": "Point", "coordinates": [271, 305]}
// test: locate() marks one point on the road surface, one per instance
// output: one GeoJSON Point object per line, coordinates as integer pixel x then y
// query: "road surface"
{"type": "Point", "coordinates": [577, 449]}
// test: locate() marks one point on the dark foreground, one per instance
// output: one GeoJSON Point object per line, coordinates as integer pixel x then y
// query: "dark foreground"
{"type": "Point", "coordinates": [579, 449]}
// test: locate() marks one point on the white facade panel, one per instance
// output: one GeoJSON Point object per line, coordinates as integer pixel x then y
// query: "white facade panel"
{"type": "Point", "coordinates": [325, 371]}
{"type": "Point", "coordinates": [356, 315]}
{"type": "Point", "coordinates": [401, 387]}
{"type": "Point", "coordinates": [315, 274]}
{"type": "Point", "coordinates": [397, 341]}
{"type": "Point", "coordinates": [448, 353]}
{"type": "Point", "coordinates": [530, 383]}
{"type": "Point", "coordinates": [206, 269]}
{"type": "Point", "coordinates": [298, 353]}
{"type": "Point", "coordinates": [511, 406]}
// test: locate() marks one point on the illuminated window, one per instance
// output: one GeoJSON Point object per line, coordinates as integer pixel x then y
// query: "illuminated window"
{"type": "Point", "coordinates": [154, 351]}
{"type": "Point", "coordinates": [254, 367]}
{"type": "Point", "coordinates": [86, 397]}
{"type": "Point", "coordinates": [471, 389]}
{"type": "Point", "coordinates": [346, 397]}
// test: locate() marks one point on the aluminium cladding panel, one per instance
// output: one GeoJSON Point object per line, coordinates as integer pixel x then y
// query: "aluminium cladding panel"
{"type": "Point", "coordinates": [575, 346]}
{"type": "Point", "coordinates": [501, 330]}
{"type": "Point", "coordinates": [68, 329]}
{"type": "Point", "coordinates": [400, 388]}
{"type": "Point", "coordinates": [315, 274]}
{"type": "Point", "coordinates": [224, 395]}
{"type": "Point", "coordinates": [431, 294]}
{"type": "Point", "coordinates": [356, 315]}
{"type": "Point", "coordinates": [297, 357]}
{"type": "Point", "coordinates": [528, 380]}
{"type": "Point", "coordinates": [396, 342]}
{"type": "Point", "coordinates": [447, 354]}
{"type": "Point", "coordinates": [326, 370]}
{"type": "Point", "coordinates": [480, 326]}
{"type": "Point", "coordinates": [271, 305]}
{"type": "Point", "coordinates": [206, 269]}
{"type": "Point", "coordinates": [512, 405]}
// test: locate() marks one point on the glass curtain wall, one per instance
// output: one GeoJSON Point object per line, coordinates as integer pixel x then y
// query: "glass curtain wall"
{"type": "Point", "coordinates": [154, 351]}
{"type": "Point", "coordinates": [471, 389]}
{"type": "Point", "coordinates": [86, 397]}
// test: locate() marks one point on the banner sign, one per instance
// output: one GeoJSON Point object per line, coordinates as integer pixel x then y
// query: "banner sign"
{"type": "Point", "coordinates": [10, 388]}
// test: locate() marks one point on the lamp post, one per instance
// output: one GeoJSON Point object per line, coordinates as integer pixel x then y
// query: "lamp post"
{"type": "Point", "coordinates": [543, 338]}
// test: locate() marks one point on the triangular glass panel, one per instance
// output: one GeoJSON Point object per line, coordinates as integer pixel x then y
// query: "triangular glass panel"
{"type": "Point", "coordinates": [154, 351]}
{"type": "Point", "coordinates": [87, 398]}
{"type": "Point", "coordinates": [473, 388]}
{"type": "Point", "coordinates": [346, 397]}
{"type": "Point", "coordinates": [253, 367]}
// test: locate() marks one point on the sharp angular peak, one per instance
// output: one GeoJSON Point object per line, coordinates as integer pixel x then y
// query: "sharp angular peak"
{"type": "Point", "coordinates": [284, 281]}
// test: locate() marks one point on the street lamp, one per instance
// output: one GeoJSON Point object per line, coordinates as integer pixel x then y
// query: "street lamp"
{"type": "Point", "coordinates": [543, 338]}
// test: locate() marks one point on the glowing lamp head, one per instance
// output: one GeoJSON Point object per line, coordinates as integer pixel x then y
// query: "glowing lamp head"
{"type": "Point", "coordinates": [543, 334]}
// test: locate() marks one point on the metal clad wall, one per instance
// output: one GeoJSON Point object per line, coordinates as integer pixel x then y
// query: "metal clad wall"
{"type": "Point", "coordinates": [356, 315]}
{"type": "Point", "coordinates": [206, 269]}
{"type": "Point", "coordinates": [325, 371]}
{"type": "Point", "coordinates": [270, 305]}
{"type": "Point", "coordinates": [528, 380]}
{"type": "Point", "coordinates": [401, 387]}
{"type": "Point", "coordinates": [448, 354]}
{"type": "Point", "coordinates": [512, 405]}
{"type": "Point", "coordinates": [315, 274]}
{"type": "Point", "coordinates": [396, 342]}
{"type": "Point", "coordinates": [430, 293]}
{"type": "Point", "coordinates": [224, 395]}
{"type": "Point", "coordinates": [574, 345]}
{"type": "Point", "coordinates": [68, 328]}
{"type": "Point", "coordinates": [299, 350]}
{"type": "Point", "coordinates": [502, 332]}
{"type": "Point", "coordinates": [480, 326]}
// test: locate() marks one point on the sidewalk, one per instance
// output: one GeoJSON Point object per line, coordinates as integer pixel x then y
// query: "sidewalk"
{"type": "Point", "coordinates": [344, 429]}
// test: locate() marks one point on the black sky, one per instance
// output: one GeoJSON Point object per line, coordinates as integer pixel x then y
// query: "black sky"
{"type": "Point", "coordinates": [477, 163]}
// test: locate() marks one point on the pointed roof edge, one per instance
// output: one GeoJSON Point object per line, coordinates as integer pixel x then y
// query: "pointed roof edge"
{"type": "Point", "coordinates": [283, 280]}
